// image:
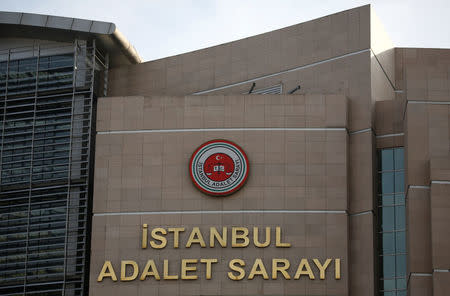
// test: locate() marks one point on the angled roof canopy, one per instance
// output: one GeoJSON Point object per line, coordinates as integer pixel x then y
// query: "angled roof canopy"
{"type": "Point", "coordinates": [64, 29]}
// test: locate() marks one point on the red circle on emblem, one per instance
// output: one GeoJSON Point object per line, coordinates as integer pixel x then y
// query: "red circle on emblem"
{"type": "Point", "coordinates": [219, 167]}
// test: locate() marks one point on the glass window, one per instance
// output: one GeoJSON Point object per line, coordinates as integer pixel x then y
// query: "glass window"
{"type": "Point", "coordinates": [392, 222]}
{"type": "Point", "coordinates": [388, 218]}
{"type": "Point", "coordinates": [388, 285]}
{"type": "Point", "coordinates": [401, 283]}
{"type": "Point", "coordinates": [387, 182]}
{"type": "Point", "coordinates": [400, 220]}
{"type": "Point", "coordinates": [388, 240]}
{"type": "Point", "coordinates": [387, 200]}
{"type": "Point", "coordinates": [400, 199]}
{"type": "Point", "coordinates": [387, 159]}
{"type": "Point", "coordinates": [35, 241]}
{"type": "Point", "coordinates": [400, 242]}
{"type": "Point", "coordinates": [388, 263]}
{"type": "Point", "coordinates": [400, 265]}
{"type": "Point", "coordinates": [399, 158]}
{"type": "Point", "coordinates": [399, 181]}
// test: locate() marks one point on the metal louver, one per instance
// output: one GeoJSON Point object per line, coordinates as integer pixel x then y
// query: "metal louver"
{"type": "Point", "coordinates": [272, 90]}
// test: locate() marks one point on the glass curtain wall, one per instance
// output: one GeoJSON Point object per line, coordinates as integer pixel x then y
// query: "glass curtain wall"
{"type": "Point", "coordinates": [46, 112]}
{"type": "Point", "coordinates": [391, 222]}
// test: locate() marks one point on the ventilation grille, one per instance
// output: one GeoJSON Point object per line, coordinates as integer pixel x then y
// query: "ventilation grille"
{"type": "Point", "coordinates": [272, 90]}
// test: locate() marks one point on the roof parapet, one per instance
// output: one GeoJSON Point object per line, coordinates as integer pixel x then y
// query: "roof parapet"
{"type": "Point", "coordinates": [78, 27]}
{"type": "Point", "coordinates": [127, 47]}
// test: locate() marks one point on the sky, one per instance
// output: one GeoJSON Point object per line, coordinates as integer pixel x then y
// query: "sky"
{"type": "Point", "coordinates": [161, 28]}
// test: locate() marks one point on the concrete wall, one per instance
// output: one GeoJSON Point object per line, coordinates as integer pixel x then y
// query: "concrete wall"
{"type": "Point", "coordinates": [427, 142]}
{"type": "Point", "coordinates": [297, 148]}
{"type": "Point", "coordinates": [326, 55]}
{"type": "Point", "coordinates": [329, 55]}
{"type": "Point", "coordinates": [393, 98]}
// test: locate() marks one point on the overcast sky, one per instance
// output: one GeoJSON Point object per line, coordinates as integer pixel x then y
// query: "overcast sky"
{"type": "Point", "coordinates": [161, 28]}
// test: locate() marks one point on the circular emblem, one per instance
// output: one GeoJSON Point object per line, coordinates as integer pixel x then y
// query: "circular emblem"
{"type": "Point", "coordinates": [219, 167]}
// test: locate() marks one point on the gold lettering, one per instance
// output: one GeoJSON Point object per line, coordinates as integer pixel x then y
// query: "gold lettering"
{"type": "Point", "coordinates": [304, 264]}
{"type": "Point", "coordinates": [208, 263]}
{"type": "Point", "coordinates": [278, 242]}
{"type": "Point", "coordinates": [241, 271]}
{"type": "Point", "coordinates": [321, 267]}
{"type": "Point", "coordinates": [166, 275]}
{"type": "Point", "coordinates": [256, 237]}
{"type": "Point", "coordinates": [150, 270]}
{"type": "Point", "coordinates": [123, 270]}
{"type": "Point", "coordinates": [185, 268]}
{"type": "Point", "coordinates": [107, 271]}
{"type": "Point", "coordinates": [176, 235]}
{"type": "Point", "coordinates": [221, 239]}
{"type": "Point", "coordinates": [144, 236]}
{"type": "Point", "coordinates": [283, 269]}
{"type": "Point", "coordinates": [160, 238]}
{"type": "Point", "coordinates": [243, 235]}
{"type": "Point", "coordinates": [337, 271]}
{"type": "Point", "coordinates": [258, 269]}
{"type": "Point", "coordinates": [196, 238]}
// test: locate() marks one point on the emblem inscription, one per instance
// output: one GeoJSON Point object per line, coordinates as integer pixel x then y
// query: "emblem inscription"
{"type": "Point", "coordinates": [219, 167]}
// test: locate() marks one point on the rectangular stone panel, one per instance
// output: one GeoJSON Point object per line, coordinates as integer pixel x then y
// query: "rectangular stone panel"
{"type": "Point", "coordinates": [361, 170]}
{"type": "Point", "coordinates": [426, 73]}
{"type": "Point", "coordinates": [311, 236]}
{"type": "Point", "coordinates": [145, 165]}
{"type": "Point", "coordinates": [417, 145]}
{"type": "Point", "coordinates": [418, 230]}
{"type": "Point", "coordinates": [297, 150]}
{"type": "Point", "coordinates": [219, 111]}
{"type": "Point", "coordinates": [420, 285]}
{"type": "Point", "coordinates": [440, 168]}
{"type": "Point", "coordinates": [289, 169]}
{"type": "Point", "coordinates": [440, 283]}
{"type": "Point", "coordinates": [440, 221]}
{"type": "Point", "coordinates": [302, 44]}
{"type": "Point", "coordinates": [362, 254]}
{"type": "Point", "coordinates": [348, 76]}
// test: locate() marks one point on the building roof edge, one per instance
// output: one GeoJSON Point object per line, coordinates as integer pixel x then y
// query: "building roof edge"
{"type": "Point", "coordinates": [75, 25]}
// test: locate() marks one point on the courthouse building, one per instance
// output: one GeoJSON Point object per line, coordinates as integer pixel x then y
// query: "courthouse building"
{"type": "Point", "coordinates": [310, 160]}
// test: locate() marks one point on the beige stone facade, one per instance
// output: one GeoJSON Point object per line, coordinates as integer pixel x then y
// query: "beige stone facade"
{"type": "Point", "coordinates": [424, 76]}
{"type": "Point", "coordinates": [312, 158]}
